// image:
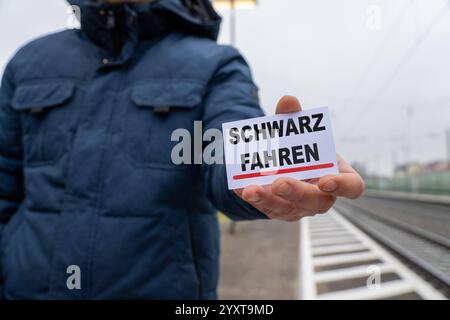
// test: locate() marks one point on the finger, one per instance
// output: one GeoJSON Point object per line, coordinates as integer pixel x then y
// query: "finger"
{"type": "Point", "coordinates": [239, 192]}
{"type": "Point", "coordinates": [303, 194]}
{"type": "Point", "coordinates": [348, 185]}
{"type": "Point", "coordinates": [288, 104]}
{"type": "Point", "coordinates": [271, 205]}
{"type": "Point", "coordinates": [312, 181]}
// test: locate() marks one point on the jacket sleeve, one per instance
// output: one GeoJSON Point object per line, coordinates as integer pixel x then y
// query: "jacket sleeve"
{"type": "Point", "coordinates": [231, 96]}
{"type": "Point", "coordinates": [11, 187]}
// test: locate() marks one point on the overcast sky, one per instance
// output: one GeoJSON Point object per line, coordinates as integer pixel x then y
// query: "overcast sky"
{"type": "Point", "coordinates": [382, 66]}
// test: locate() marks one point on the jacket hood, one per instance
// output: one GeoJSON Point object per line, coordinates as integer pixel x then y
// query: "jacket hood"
{"type": "Point", "coordinates": [154, 18]}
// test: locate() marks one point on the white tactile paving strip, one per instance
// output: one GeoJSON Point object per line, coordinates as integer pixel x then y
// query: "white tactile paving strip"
{"type": "Point", "coordinates": [333, 250]}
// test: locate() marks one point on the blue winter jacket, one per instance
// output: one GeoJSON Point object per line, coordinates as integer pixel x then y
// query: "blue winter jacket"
{"type": "Point", "coordinates": [86, 177]}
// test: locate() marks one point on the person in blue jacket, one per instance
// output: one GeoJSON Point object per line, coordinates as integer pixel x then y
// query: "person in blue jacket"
{"type": "Point", "coordinates": [91, 205]}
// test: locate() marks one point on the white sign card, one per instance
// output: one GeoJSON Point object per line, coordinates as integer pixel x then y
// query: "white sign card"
{"type": "Point", "coordinates": [298, 145]}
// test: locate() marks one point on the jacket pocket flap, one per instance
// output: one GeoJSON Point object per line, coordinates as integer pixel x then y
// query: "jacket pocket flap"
{"type": "Point", "coordinates": [40, 96]}
{"type": "Point", "coordinates": [166, 95]}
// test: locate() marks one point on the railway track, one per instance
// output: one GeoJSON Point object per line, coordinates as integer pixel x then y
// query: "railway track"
{"type": "Point", "coordinates": [340, 261]}
{"type": "Point", "coordinates": [420, 241]}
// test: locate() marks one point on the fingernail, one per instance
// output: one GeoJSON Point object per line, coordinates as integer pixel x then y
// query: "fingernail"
{"type": "Point", "coordinates": [254, 197]}
{"type": "Point", "coordinates": [330, 186]}
{"type": "Point", "coordinates": [284, 189]}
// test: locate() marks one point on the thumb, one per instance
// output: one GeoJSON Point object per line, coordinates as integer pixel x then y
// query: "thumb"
{"type": "Point", "coordinates": [288, 104]}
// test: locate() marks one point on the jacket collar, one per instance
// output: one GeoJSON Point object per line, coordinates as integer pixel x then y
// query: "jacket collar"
{"type": "Point", "coordinates": [116, 27]}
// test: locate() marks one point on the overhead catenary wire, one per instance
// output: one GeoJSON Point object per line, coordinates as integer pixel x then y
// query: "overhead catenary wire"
{"type": "Point", "coordinates": [377, 53]}
{"type": "Point", "coordinates": [364, 111]}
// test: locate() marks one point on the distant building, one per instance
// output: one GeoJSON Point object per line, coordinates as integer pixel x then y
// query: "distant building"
{"type": "Point", "coordinates": [409, 169]}
{"type": "Point", "coordinates": [438, 166]}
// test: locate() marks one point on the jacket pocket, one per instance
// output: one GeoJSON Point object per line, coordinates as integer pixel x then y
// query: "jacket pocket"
{"type": "Point", "coordinates": [45, 117]}
{"type": "Point", "coordinates": [163, 96]}
{"type": "Point", "coordinates": [156, 111]}
{"type": "Point", "coordinates": [36, 98]}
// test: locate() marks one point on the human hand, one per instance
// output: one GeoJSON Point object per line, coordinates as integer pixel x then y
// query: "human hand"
{"type": "Point", "coordinates": [290, 199]}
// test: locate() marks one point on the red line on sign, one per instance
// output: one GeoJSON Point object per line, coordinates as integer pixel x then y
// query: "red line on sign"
{"type": "Point", "coordinates": [289, 170]}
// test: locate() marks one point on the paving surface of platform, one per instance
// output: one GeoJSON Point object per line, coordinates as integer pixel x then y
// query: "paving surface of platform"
{"type": "Point", "coordinates": [260, 261]}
